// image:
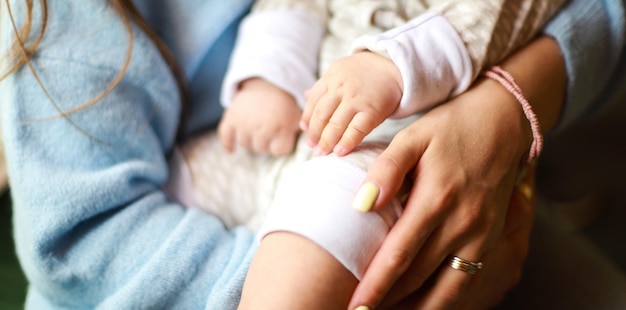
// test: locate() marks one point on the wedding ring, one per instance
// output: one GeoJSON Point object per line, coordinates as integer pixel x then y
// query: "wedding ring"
{"type": "Point", "coordinates": [464, 265]}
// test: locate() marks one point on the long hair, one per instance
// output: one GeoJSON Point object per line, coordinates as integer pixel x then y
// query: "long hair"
{"type": "Point", "coordinates": [20, 50]}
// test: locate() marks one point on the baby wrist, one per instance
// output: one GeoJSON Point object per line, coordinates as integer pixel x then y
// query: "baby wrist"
{"type": "Point", "coordinates": [433, 61]}
{"type": "Point", "coordinates": [264, 34]}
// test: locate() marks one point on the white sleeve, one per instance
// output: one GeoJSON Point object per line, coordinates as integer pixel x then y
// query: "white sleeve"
{"type": "Point", "coordinates": [315, 201]}
{"type": "Point", "coordinates": [432, 59]}
{"type": "Point", "coordinates": [279, 46]}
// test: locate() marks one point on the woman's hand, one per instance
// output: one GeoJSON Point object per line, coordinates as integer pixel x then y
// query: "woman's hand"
{"type": "Point", "coordinates": [463, 158]}
{"type": "Point", "coordinates": [502, 265]}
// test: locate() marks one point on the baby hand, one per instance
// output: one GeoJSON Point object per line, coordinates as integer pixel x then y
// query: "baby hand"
{"type": "Point", "coordinates": [262, 118]}
{"type": "Point", "coordinates": [355, 96]}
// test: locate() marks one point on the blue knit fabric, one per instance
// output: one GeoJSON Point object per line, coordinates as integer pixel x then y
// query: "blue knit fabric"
{"type": "Point", "coordinates": [592, 37]}
{"type": "Point", "coordinates": [93, 227]}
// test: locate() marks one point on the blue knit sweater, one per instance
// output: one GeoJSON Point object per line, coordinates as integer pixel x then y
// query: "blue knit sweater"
{"type": "Point", "coordinates": [93, 227]}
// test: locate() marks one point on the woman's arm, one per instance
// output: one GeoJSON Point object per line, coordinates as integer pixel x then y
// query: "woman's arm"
{"type": "Point", "coordinates": [464, 156]}
{"type": "Point", "coordinates": [602, 23]}
{"type": "Point", "coordinates": [592, 38]}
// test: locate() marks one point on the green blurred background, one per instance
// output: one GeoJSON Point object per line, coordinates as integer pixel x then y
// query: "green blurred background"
{"type": "Point", "coordinates": [12, 280]}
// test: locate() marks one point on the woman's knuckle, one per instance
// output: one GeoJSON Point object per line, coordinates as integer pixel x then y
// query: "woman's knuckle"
{"type": "Point", "coordinates": [387, 162]}
{"type": "Point", "coordinates": [399, 260]}
{"type": "Point", "coordinates": [474, 217]}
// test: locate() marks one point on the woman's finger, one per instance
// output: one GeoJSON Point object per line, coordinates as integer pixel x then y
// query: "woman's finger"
{"type": "Point", "coordinates": [456, 274]}
{"type": "Point", "coordinates": [444, 244]}
{"type": "Point", "coordinates": [503, 265]}
{"type": "Point", "coordinates": [399, 249]}
{"type": "Point", "coordinates": [387, 173]}
{"type": "Point", "coordinates": [500, 270]}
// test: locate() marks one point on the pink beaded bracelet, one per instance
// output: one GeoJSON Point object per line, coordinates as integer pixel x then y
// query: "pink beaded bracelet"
{"type": "Point", "coordinates": [506, 79]}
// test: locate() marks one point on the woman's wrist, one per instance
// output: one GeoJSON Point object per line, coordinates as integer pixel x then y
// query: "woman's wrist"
{"type": "Point", "coordinates": [508, 82]}
{"type": "Point", "coordinates": [510, 121]}
{"type": "Point", "coordinates": [539, 70]}
{"type": "Point", "coordinates": [541, 96]}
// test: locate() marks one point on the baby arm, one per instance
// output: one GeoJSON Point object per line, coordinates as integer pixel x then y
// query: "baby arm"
{"type": "Point", "coordinates": [437, 54]}
{"type": "Point", "coordinates": [273, 63]}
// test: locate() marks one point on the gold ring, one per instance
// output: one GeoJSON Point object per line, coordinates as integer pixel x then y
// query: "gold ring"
{"type": "Point", "coordinates": [464, 265]}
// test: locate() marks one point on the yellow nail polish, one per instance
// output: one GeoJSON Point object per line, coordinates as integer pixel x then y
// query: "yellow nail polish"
{"type": "Point", "coordinates": [363, 308]}
{"type": "Point", "coordinates": [365, 198]}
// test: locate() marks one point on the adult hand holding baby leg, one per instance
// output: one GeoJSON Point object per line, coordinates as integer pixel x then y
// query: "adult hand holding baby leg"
{"type": "Point", "coordinates": [356, 94]}
{"type": "Point", "coordinates": [463, 158]}
{"type": "Point", "coordinates": [262, 118]}
{"type": "Point", "coordinates": [457, 202]}
{"type": "Point", "coordinates": [503, 264]}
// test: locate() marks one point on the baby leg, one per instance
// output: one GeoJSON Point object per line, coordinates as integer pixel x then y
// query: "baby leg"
{"type": "Point", "coordinates": [314, 246]}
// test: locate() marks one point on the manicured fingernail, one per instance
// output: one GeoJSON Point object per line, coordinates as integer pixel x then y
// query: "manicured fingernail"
{"type": "Point", "coordinates": [319, 151]}
{"type": "Point", "coordinates": [365, 197]}
{"type": "Point", "coordinates": [363, 308]}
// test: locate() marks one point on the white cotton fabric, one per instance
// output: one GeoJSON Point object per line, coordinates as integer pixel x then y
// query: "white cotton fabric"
{"type": "Point", "coordinates": [431, 57]}
{"type": "Point", "coordinates": [271, 46]}
{"type": "Point", "coordinates": [315, 201]}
